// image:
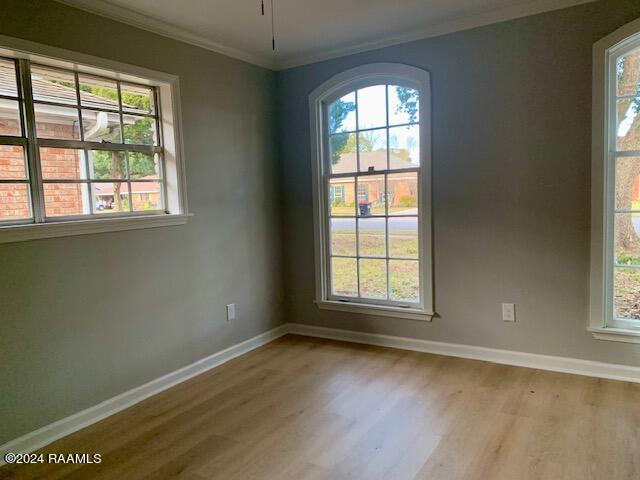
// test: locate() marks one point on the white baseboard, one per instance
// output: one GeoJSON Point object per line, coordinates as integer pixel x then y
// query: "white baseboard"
{"type": "Point", "coordinates": [54, 431]}
{"type": "Point", "coordinates": [576, 366]}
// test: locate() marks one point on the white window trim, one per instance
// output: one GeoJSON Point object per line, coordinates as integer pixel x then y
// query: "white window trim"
{"type": "Point", "coordinates": [601, 323]}
{"type": "Point", "coordinates": [342, 83]}
{"type": "Point", "coordinates": [171, 125]}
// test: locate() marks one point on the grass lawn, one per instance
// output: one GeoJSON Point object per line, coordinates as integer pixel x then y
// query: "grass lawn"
{"type": "Point", "coordinates": [627, 293]}
{"type": "Point", "coordinates": [402, 243]}
{"type": "Point", "coordinates": [403, 275]}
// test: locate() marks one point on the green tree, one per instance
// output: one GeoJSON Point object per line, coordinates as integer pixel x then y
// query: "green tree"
{"type": "Point", "coordinates": [408, 98]}
{"type": "Point", "coordinates": [338, 112]}
{"type": "Point", "coordinates": [109, 165]}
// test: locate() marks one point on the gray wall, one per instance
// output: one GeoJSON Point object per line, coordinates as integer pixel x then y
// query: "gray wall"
{"type": "Point", "coordinates": [85, 318]}
{"type": "Point", "coordinates": [511, 155]}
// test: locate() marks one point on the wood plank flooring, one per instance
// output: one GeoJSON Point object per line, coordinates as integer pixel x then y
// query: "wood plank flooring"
{"type": "Point", "coordinates": [302, 408]}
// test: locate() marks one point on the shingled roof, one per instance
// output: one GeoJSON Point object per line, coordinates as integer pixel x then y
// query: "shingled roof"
{"type": "Point", "coordinates": [48, 91]}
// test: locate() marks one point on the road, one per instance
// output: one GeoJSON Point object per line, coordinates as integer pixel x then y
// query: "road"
{"type": "Point", "coordinates": [376, 223]}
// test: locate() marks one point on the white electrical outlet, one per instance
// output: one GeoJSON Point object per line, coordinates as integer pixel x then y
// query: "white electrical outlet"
{"type": "Point", "coordinates": [509, 312]}
{"type": "Point", "coordinates": [231, 311]}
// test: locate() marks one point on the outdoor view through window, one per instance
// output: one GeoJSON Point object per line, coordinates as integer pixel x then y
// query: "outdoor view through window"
{"type": "Point", "coordinates": [626, 223]}
{"type": "Point", "coordinates": [373, 192]}
{"type": "Point", "coordinates": [75, 145]}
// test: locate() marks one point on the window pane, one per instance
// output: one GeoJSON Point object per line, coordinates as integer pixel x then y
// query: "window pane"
{"type": "Point", "coordinates": [342, 197]}
{"type": "Point", "coordinates": [64, 199]}
{"type": "Point", "coordinates": [342, 149]}
{"type": "Point", "coordinates": [12, 163]}
{"type": "Point", "coordinates": [344, 277]}
{"type": "Point", "coordinates": [14, 201]}
{"type": "Point", "coordinates": [371, 195]}
{"type": "Point", "coordinates": [372, 107]}
{"type": "Point", "coordinates": [110, 197]}
{"type": "Point", "coordinates": [342, 114]}
{"type": "Point", "coordinates": [403, 237]}
{"type": "Point", "coordinates": [144, 166]}
{"type": "Point", "coordinates": [404, 280]}
{"type": "Point", "coordinates": [343, 236]}
{"type": "Point", "coordinates": [404, 147]}
{"type": "Point", "coordinates": [627, 228]}
{"type": "Point", "coordinates": [53, 85]}
{"type": "Point", "coordinates": [404, 105]}
{"type": "Point", "coordinates": [372, 147]}
{"type": "Point", "coordinates": [137, 98]}
{"type": "Point", "coordinates": [101, 126]}
{"type": "Point", "coordinates": [372, 240]}
{"type": "Point", "coordinates": [106, 165]}
{"type": "Point", "coordinates": [146, 196]}
{"type": "Point", "coordinates": [8, 84]}
{"type": "Point", "coordinates": [628, 183]}
{"type": "Point", "coordinates": [10, 118]}
{"type": "Point", "coordinates": [373, 278]}
{"type": "Point", "coordinates": [628, 129]}
{"type": "Point", "coordinates": [62, 164]}
{"type": "Point", "coordinates": [139, 130]}
{"type": "Point", "coordinates": [403, 193]}
{"type": "Point", "coordinates": [57, 122]}
{"type": "Point", "coordinates": [98, 93]}
{"type": "Point", "coordinates": [628, 73]}
{"type": "Point", "coordinates": [627, 293]}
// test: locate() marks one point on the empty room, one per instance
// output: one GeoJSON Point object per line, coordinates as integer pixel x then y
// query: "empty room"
{"type": "Point", "coordinates": [302, 240]}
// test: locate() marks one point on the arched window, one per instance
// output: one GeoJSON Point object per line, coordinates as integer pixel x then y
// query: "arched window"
{"type": "Point", "coordinates": [372, 199]}
{"type": "Point", "coordinates": [615, 255]}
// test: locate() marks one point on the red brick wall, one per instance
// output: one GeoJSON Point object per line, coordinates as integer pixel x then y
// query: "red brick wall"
{"type": "Point", "coordinates": [58, 163]}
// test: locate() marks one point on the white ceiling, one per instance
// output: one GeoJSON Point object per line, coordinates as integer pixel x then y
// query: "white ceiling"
{"type": "Point", "coordinates": [306, 30]}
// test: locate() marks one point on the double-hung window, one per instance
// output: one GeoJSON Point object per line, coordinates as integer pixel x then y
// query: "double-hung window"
{"type": "Point", "coordinates": [370, 142]}
{"type": "Point", "coordinates": [82, 146]}
{"type": "Point", "coordinates": [615, 256]}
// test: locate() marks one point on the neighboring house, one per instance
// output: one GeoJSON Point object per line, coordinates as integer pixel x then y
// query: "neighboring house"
{"type": "Point", "coordinates": [402, 186]}
{"type": "Point", "coordinates": [143, 195]}
{"type": "Point", "coordinates": [52, 121]}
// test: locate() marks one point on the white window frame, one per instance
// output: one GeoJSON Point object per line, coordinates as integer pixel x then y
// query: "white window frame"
{"type": "Point", "coordinates": [170, 132]}
{"type": "Point", "coordinates": [602, 323]}
{"type": "Point", "coordinates": [319, 99]}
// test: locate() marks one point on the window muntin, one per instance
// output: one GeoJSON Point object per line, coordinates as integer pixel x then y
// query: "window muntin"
{"type": "Point", "coordinates": [89, 146]}
{"type": "Point", "coordinates": [623, 272]}
{"type": "Point", "coordinates": [373, 154]}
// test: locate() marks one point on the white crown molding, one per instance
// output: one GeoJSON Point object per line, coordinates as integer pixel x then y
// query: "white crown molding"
{"type": "Point", "coordinates": [138, 20]}
{"type": "Point", "coordinates": [50, 433]}
{"type": "Point", "coordinates": [510, 12]}
{"type": "Point", "coordinates": [130, 17]}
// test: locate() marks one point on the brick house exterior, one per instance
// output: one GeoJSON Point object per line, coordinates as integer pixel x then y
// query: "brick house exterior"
{"type": "Point", "coordinates": [61, 199]}
{"type": "Point", "coordinates": [402, 186]}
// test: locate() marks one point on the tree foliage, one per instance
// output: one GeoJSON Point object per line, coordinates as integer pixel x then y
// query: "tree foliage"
{"type": "Point", "coordinates": [108, 165]}
{"type": "Point", "coordinates": [345, 143]}
{"type": "Point", "coordinates": [408, 98]}
{"type": "Point", "coordinates": [338, 113]}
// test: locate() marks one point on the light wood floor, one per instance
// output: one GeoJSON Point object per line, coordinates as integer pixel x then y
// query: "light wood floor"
{"type": "Point", "coordinates": [302, 408]}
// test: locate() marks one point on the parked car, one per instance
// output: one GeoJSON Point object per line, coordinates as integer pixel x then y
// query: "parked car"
{"type": "Point", "coordinates": [104, 204]}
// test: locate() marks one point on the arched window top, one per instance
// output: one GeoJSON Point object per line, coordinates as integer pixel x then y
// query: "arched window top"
{"type": "Point", "coordinates": [615, 187]}
{"type": "Point", "coordinates": [372, 180]}
{"type": "Point", "coordinates": [369, 75]}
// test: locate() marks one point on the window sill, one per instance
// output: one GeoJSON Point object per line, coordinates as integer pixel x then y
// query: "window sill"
{"type": "Point", "coordinates": [616, 334]}
{"type": "Point", "coordinates": [34, 231]}
{"type": "Point", "coordinates": [386, 311]}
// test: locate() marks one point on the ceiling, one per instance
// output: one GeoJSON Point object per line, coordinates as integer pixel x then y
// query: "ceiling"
{"type": "Point", "coordinates": [307, 31]}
